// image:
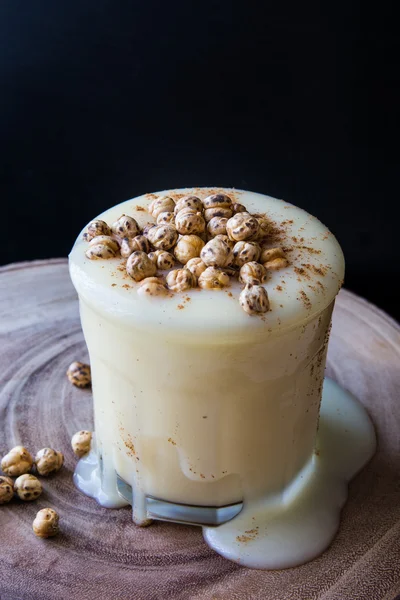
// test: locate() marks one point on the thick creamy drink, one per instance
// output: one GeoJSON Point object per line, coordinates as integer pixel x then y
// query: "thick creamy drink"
{"type": "Point", "coordinates": [196, 401]}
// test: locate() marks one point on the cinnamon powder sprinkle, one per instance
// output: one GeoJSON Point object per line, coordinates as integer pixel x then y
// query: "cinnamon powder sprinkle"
{"type": "Point", "coordinates": [321, 270]}
{"type": "Point", "coordinates": [140, 208]}
{"type": "Point", "coordinates": [244, 539]}
{"type": "Point", "coordinates": [180, 306]}
{"type": "Point", "coordinates": [175, 196]}
{"type": "Point", "coordinates": [301, 271]}
{"type": "Point", "coordinates": [252, 531]}
{"type": "Point", "coordinates": [309, 249]}
{"type": "Point", "coordinates": [250, 535]}
{"type": "Point", "coordinates": [305, 299]}
{"type": "Point", "coordinates": [130, 446]}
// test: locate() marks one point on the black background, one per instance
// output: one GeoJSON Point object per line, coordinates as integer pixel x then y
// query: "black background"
{"type": "Point", "coordinates": [105, 100]}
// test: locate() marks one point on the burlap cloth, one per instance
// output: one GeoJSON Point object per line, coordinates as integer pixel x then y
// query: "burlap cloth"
{"type": "Point", "coordinates": [100, 554]}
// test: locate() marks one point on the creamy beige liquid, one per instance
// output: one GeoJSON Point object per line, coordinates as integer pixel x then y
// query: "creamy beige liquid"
{"type": "Point", "coordinates": [200, 423]}
{"type": "Point", "coordinates": [196, 402]}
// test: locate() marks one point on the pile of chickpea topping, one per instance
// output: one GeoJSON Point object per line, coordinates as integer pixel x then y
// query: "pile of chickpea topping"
{"type": "Point", "coordinates": [200, 243]}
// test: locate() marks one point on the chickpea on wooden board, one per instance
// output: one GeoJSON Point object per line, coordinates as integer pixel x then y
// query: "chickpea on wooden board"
{"type": "Point", "coordinates": [48, 461]}
{"type": "Point", "coordinates": [79, 374]}
{"type": "Point", "coordinates": [46, 523]}
{"type": "Point", "coordinates": [17, 461]}
{"type": "Point", "coordinates": [81, 442]}
{"type": "Point", "coordinates": [6, 489]}
{"type": "Point", "coordinates": [27, 487]}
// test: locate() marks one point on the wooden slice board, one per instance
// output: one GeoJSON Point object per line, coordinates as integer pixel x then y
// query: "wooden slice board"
{"type": "Point", "coordinates": [100, 554]}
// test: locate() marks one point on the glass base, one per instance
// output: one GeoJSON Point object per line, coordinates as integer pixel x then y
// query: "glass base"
{"type": "Point", "coordinates": [274, 533]}
{"type": "Point", "coordinates": [111, 491]}
{"type": "Point", "coordinates": [163, 510]}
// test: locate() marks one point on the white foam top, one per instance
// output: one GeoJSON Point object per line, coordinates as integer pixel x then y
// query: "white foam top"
{"type": "Point", "coordinates": [296, 293]}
